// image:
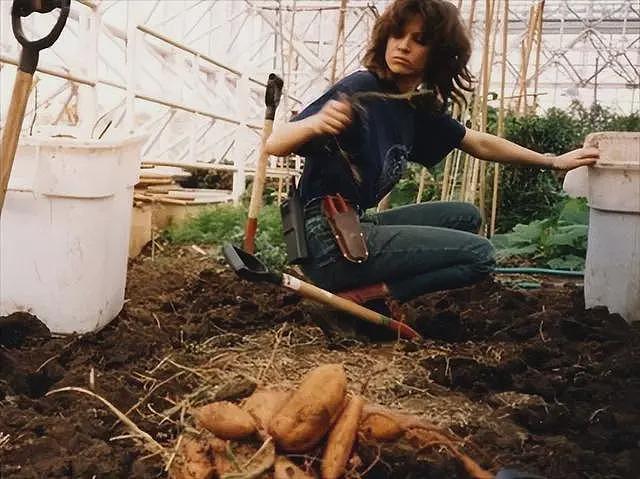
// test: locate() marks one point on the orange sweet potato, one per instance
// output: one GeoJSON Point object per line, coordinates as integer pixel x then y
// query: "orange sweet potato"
{"type": "Point", "coordinates": [380, 424]}
{"type": "Point", "coordinates": [308, 414]}
{"type": "Point", "coordinates": [194, 460]}
{"type": "Point", "coordinates": [341, 438]}
{"type": "Point", "coordinates": [263, 404]}
{"type": "Point", "coordinates": [225, 420]}
{"type": "Point", "coordinates": [285, 469]}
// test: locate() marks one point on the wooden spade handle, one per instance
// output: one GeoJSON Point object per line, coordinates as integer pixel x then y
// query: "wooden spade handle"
{"type": "Point", "coordinates": [323, 296]}
{"type": "Point", "coordinates": [12, 127]}
{"type": "Point", "coordinates": [256, 191]}
{"type": "Point", "coordinates": [261, 172]}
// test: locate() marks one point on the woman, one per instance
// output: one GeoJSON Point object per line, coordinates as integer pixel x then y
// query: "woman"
{"type": "Point", "coordinates": [357, 138]}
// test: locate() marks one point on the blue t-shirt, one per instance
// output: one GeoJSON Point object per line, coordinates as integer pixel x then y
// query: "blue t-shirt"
{"type": "Point", "coordinates": [383, 136]}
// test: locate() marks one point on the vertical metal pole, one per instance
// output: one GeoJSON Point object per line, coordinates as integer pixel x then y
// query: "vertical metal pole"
{"type": "Point", "coordinates": [131, 70]}
{"type": "Point", "coordinates": [89, 29]}
{"type": "Point", "coordinates": [242, 102]}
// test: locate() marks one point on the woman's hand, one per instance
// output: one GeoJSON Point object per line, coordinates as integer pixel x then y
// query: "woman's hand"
{"type": "Point", "coordinates": [334, 117]}
{"type": "Point", "coordinates": [576, 158]}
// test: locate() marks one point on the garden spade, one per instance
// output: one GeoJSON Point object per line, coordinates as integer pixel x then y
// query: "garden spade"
{"type": "Point", "coordinates": [250, 268]}
{"type": "Point", "coordinates": [271, 100]}
{"type": "Point", "coordinates": [24, 77]}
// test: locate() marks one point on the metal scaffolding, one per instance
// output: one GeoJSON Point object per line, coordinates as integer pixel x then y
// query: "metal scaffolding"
{"type": "Point", "coordinates": [192, 73]}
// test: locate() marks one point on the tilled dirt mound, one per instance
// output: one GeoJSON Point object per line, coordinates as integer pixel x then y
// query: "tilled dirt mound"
{"type": "Point", "coordinates": [529, 379]}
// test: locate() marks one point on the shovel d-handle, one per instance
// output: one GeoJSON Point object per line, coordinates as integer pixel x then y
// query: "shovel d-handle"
{"type": "Point", "coordinates": [31, 48]}
{"type": "Point", "coordinates": [271, 100]}
{"type": "Point", "coordinates": [24, 77]}
{"type": "Point", "coordinates": [323, 296]}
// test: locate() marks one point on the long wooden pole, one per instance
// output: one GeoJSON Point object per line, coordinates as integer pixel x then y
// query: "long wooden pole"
{"type": "Point", "coordinates": [11, 133]}
{"type": "Point", "coordinates": [465, 172]}
{"type": "Point", "coordinates": [538, 51]}
{"type": "Point", "coordinates": [486, 78]}
{"type": "Point", "coordinates": [535, 13]}
{"type": "Point", "coordinates": [334, 58]}
{"type": "Point", "coordinates": [503, 74]}
{"type": "Point", "coordinates": [423, 174]}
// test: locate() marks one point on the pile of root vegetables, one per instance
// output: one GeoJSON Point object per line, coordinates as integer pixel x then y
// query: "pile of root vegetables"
{"type": "Point", "coordinates": [306, 433]}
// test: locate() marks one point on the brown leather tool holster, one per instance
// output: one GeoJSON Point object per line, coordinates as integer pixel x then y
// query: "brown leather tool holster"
{"type": "Point", "coordinates": [345, 225]}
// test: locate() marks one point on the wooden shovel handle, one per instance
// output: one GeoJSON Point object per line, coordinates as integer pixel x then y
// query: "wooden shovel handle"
{"type": "Point", "coordinates": [11, 132]}
{"type": "Point", "coordinates": [323, 296]}
{"type": "Point", "coordinates": [256, 191]}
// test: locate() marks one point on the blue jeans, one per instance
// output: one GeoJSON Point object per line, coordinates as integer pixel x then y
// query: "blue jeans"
{"type": "Point", "coordinates": [414, 249]}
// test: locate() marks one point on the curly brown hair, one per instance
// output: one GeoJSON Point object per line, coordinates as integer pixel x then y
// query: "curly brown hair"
{"type": "Point", "coordinates": [449, 44]}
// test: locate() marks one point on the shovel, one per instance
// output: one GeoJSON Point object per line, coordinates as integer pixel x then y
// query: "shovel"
{"type": "Point", "coordinates": [271, 101]}
{"type": "Point", "coordinates": [24, 77]}
{"type": "Point", "coordinates": [250, 268]}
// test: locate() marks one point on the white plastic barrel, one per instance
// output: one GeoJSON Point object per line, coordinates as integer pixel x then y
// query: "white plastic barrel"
{"type": "Point", "coordinates": [64, 230]}
{"type": "Point", "coordinates": [612, 186]}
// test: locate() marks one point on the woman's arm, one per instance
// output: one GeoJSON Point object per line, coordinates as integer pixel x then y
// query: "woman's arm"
{"type": "Point", "coordinates": [492, 148]}
{"type": "Point", "coordinates": [332, 119]}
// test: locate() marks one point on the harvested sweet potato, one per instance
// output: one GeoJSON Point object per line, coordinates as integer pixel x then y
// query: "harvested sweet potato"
{"type": "Point", "coordinates": [380, 424]}
{"type": "Point", "coordinates": [285, 469]}
{"type": "Point", "coordinates": [308, 414]}
{"type": "Point", "coordinates": [194, 460]}
{"type": "Point", "coordinates": [424, 436]}
{"type": "Point", "coordinates": [263, 404]}
{"type": "Point", "coordinates": [341, 438]}
{"type": "Point", "coordinates": [221, 457]}
{"type": "Point", "coordinates": [225, 420]}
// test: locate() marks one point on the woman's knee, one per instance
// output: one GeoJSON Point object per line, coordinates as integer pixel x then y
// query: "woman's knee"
{"type": "Point", "coordinates": [484, 253]}
{"type": "Point", "coordinates": [471, 214]}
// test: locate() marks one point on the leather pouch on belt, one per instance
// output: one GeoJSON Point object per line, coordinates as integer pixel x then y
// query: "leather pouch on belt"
{"type": "Point", "coordinates": [345, 225]}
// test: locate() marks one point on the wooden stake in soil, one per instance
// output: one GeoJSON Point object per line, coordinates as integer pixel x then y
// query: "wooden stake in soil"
{"type": "Point", "coordinates": [503, 73]}
{"type": "Point", "coordinates": [538, 49]}
{"type": "Point", "coordinates": [334, 57]}
{"type": "Point", "coordinates": [486, 78]}
{"type": "Point", "coordinates": [423, 174]}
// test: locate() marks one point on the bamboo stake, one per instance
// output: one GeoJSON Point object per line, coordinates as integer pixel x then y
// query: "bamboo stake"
{"type": "Point", "coordinates": [486, 78]}
{"type": "Point", "coordinates": [465, 172]}
{"type": "Point", "coordinates": [448, 161]}
{"type": "Point", "coordinates": [423, 174]}
{"type": "Point", "coordinates": [334, 58]}
{"type": "Point", "coordinates": [524, 60]}
{"type": "Point", "coordinates": [287, 80]}
{"type": "Point", "coordinates": [385, 203]}
{"type": "Point", "coordinates": [538, 50]}
{"type": "Point", "coordinates": [456, 167]}
{"type": "Point", "coordinates": [535, 13]}
{"type": "Point", "coordinates": [496, 169]}
{"type": "Point", "coordinates": [445, 177]}
{"type": "Point", "coordinates": [472, 12]}
{"type": "Point", "coordinates": [474, 165]}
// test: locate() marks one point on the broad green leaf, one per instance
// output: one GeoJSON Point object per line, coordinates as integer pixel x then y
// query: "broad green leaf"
{"type": "Point", "coordinates": [572, 235]}
{"type": "Point", "coordinates": [528, 234]}
{"type": "Point", "coordinates": [517, 251]}
{"type": "Point", "coordinates": [569, 262]}
{"type": "Point", "coordinates": [575, 212]}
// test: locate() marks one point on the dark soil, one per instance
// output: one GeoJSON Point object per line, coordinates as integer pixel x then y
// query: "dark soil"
{"type": "Point", "coordinates": [548, 387]}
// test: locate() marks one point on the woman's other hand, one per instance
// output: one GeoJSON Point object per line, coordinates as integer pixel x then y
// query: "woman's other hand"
{"type": "Point", "coordinates": [576, 158]}
{"type": "Point", "coordinates": [334, 117]}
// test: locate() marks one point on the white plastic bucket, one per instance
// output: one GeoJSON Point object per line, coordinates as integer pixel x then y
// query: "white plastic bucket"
{"type": "Point", "coordinates": [612, 186]}
{"type": "Point", "coordinates": [64, 230]}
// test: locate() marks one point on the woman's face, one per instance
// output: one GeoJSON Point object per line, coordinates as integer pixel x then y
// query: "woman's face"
{"type": "Point", "coordinates": [406, 55]}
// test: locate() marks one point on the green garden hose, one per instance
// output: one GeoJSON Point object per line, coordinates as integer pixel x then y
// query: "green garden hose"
{"type": "Point", "coordinates": [558, 272]}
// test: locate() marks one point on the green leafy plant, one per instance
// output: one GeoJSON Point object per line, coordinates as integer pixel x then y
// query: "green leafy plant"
{"type": "Point", "coordinates": [225, 223]}
{"type": "Point", "coordinates": [559, 242]}
{"type": "Point", "coordinates": [529, 193]}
